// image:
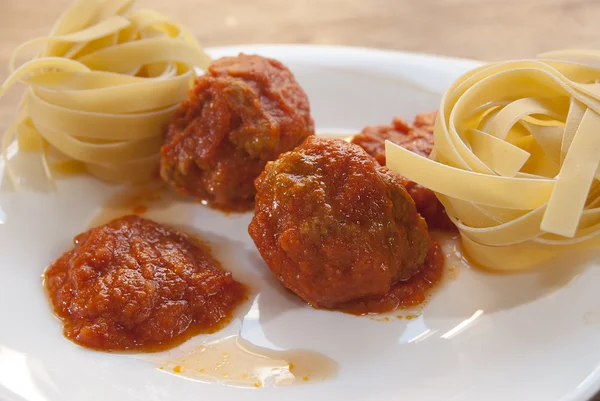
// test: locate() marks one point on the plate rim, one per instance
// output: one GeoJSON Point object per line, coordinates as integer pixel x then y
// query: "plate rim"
{"type": "Point", "coordinates": [311, 48]}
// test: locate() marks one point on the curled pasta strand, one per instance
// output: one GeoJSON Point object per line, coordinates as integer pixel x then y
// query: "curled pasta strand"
{"type": "Point", "coordinates": [517, 159]}
{"type": "Point", "coordinates": [102, 90]}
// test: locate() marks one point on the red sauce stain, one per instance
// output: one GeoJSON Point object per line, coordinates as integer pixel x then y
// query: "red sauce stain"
{"type": "Point", "coordinates": [150, 193]}
{"type": "Point", "coordinates": [153, 197]}
{"type": "Point", "coordinates": [140, 209]}
{"type": "Point", "coordinates": [225, 211]}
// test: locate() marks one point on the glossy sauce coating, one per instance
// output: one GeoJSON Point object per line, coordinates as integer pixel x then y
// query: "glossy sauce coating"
{"type": "Point", "coordinates": [243, 112]}
{"type": "Point", "coordinates": [417, 138]}
{"type": "Point", "coordinates": [335, 226]}
{"type": "Point", "coordinates": [135, 284]}
{"type": "Point", "coordinates": [404, 294]}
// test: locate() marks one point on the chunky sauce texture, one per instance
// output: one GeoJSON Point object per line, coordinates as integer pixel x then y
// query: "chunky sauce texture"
{"type": "Point", "coordinates": [417, 138]}
{"type": "Point", "coordinates": [243, 112]}
{"type": "Point", "coordinates": [135, 284]}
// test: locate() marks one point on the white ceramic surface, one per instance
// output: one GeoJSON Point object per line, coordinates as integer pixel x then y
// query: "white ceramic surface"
{"type": "Point", "coordinates": [532, 336]}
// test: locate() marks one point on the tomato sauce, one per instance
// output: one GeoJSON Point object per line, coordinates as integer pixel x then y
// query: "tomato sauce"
{"type": "Point", "coordinates": [405, 294]}
{"type": "Point", "coordinates": [418, 138]}
{"type": "Point", "coordinates": [133, 284]}
{"type": "Point", "coordinates": [242, 113]}
{"type": "Point", "coordinates": [334, 226]}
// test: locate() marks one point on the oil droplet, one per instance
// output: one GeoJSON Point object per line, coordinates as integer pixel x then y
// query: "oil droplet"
{"type": "Point", "coordinates": [387, 319]}
{"type": "Point", "coordinates": [399, 317]}
{"type": "Point", "coordinates": [236, 362]}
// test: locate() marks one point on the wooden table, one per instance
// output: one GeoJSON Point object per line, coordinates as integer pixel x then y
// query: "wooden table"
{"type": "Point", "coordinates": [480, 29]}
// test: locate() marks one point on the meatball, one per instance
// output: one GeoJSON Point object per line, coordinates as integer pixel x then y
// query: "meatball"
{"type": "Point", "coordinates": [244, 112]}
{"type": "Point", "coordinates": [133, 283]}
{"type": "Point", "coordinates": [417, 138]}
{"type": "Point", "coordinates": [335, 226]}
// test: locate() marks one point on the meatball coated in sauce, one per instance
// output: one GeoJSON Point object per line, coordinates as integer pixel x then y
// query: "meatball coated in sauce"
{"type": "Point", "coordinates": [335, 226]}
{"type": "Point", "coordinates": [417, 138]}
{"type": "Point", "coordinates": [134, 284]}
{"type": "Point", "coordinates": [244, 112]}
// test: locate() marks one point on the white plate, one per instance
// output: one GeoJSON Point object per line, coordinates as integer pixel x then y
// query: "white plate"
{"type": "Point", "coordinates": [533, 336]}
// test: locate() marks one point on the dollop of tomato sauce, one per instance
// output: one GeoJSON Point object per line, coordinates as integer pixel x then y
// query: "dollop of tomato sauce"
{"type": "Point", "coordinates": [133, 284]}
{"type": "Point", "coordinates": [404, 294]}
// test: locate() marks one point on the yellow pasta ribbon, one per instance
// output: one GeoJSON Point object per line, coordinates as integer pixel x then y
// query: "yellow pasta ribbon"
{"type": "Point", "coordinates": [516, 159]}
{"type": "Point", "coordinates": [102, 90]}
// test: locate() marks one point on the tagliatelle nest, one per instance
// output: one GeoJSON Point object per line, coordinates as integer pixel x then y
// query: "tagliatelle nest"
{"type": "Point", "coordinates": [103, 89]}
{"type": "Point", "coordinates": [517, 147]}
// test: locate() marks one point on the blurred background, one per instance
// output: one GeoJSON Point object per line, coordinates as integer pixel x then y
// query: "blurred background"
{"type": "Point", "coordinates": [480, 29]}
